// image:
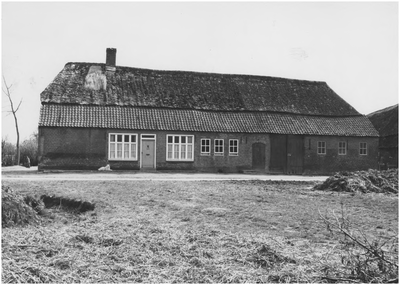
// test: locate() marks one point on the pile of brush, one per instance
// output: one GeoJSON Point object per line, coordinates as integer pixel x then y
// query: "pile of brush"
{"type": "Point", "coordinates": [385, 181]}
{"type": "Point", "coordinates": [18, 210]}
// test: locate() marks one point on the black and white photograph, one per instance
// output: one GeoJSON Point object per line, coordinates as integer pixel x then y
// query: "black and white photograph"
{"type": "Point", "coordinates": [199, 142]}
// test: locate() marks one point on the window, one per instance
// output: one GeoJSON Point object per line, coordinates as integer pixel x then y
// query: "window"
{"type": "Point", "coordinates": [321, 148]}
{"type": "Point", "coordinates": [233, 147]}
{"type": "Point", "coordinates": [218, 147]}
{"type": "Point", "coordinates": [179, 148]}
{"type": "Point", "coordinates": [363, 148]}
{"type": "Point", "coordinates": [205, 148]}
{"type": "Point", "coordinates": [122, 146]}
{"type": "Point", "coordinates": [342, 148]}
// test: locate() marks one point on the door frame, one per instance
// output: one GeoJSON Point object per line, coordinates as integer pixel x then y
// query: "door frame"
{"type": "Point", "coordinates": [148, 137]}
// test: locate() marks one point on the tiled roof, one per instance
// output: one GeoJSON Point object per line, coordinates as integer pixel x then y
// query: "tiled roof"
{"type": "Point", "coordinates": [89, 83]}
{"type": "Point", "coordinates": [139, 118]}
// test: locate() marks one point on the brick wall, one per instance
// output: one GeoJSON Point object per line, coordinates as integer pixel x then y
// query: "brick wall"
{"type": "Point", "coordinates": [77, 149]}
{"type": "Point", "coordinates": [71, 148]}
{"type": "Point", "coordinates": [214, 163]}
{"type": "Point", "coordinates": [83, 148]}
{"type": "Point", "coordinates": [330, 162]}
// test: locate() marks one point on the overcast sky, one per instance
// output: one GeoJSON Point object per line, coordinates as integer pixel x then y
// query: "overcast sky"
{"type": "Point", "coordinates": [351, 46]}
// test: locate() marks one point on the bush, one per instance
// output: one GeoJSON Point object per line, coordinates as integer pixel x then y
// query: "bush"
{"type": "Point", "coordinates": [29, 148]}
{"type": "Point", "coordinates": [7, 153]}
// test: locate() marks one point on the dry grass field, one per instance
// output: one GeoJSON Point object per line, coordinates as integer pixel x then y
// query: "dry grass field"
{"type": "Point", "coordinates": [189, 232]}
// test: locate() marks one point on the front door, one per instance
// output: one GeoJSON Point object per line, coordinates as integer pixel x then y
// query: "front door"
{"type": "Point", "coordinates": [258, 161]}
{"type": "Point", "coordinates": [148, 153]}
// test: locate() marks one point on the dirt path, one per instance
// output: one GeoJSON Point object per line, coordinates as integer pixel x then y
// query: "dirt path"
{"type": "Point", "coordinates": [22, 173]}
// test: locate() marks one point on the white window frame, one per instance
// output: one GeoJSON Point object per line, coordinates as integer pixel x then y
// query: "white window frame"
{"type": "Point", "coordinates": [205, 146]}
{"type": "Point", "coordinates": [180, 146]}
{"type": "Point", "coordinates": [234, 153]}
{"type": "Point", "coordinates": [123, 145]}
{"type": "Point", "coordinates": [342, 150]}
{"type": "Point", "coordinates": [363, 149]}
{"type": "Point", "coordinates": [217, 145]}
{"type": "Point", "coordinates": [321, 149]}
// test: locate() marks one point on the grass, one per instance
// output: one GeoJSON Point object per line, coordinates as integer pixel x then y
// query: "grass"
{"type": "Point", "coordinates": [187, 232]}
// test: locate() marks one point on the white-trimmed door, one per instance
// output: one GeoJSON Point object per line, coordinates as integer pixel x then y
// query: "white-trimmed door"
{"type": "Point", "coordinates": [148, 146]}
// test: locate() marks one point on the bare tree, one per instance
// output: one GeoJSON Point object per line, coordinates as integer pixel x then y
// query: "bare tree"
{"type": "Point", "coordinates": [7, 92]}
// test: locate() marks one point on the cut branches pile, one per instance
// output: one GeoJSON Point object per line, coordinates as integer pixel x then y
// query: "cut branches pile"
{"type": "Point", "coordinates": [363, 259]}
{"type": "Point", "coordinates": [17, 210]}
{"type": "Point", "coordinates": [385, 181]}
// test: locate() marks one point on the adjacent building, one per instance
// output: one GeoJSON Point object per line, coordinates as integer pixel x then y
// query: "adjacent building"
{"type": "Point", "coordinates": [386, 122]}
{"type": "Point", "coordinates": [94, 114]}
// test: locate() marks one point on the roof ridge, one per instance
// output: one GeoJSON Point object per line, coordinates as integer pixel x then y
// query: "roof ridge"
{"type": "Point", "coordinates": [252, 76]}
{"type": "Point", "coordinates": [383, 110]}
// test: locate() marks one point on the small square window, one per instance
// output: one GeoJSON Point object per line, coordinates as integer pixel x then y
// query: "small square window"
{"type": "Point", "coordinates": [218, 147]}
{"type": "Point", "coordinates": [233, 147]}
{"type": "Point", "coordinates": [321, 149]}
{"type": "Point", "coordinates": [363, 148]}
{"type": "Point", "coordinates": [342, 148]}
{"type": "Point", "coordinates": [205, 147]}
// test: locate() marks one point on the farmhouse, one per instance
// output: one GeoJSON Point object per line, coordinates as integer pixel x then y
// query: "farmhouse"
{"type": "Point", "coordinates": [94, 114]}
{"type": "Point", "coordinates": [386, 122]}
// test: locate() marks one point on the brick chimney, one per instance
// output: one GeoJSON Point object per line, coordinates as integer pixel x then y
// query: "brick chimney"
{"type": "Point", "coordinates": [110, 59]}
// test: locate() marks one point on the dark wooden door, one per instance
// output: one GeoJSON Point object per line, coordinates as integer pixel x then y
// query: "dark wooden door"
{"type": "Point", "coordinates": [287, 154]}
{"type": "Point", "coordinates": [295, 154]}
{"type": "Point", "coordinates": [258, 161]}
{"type": "Point", "coordinates": [278, 161]}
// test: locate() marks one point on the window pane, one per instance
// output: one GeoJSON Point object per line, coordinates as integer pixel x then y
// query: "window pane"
{"type": "Point", "coordinates": [133, 138]}
{"type": "Point", "coordinates": [190, 139]}
{"type": "Point", "coordinates": [169, 139]}
{"type": "Point", "coordinates": [119, 150]}
{"type": "Point", "coordinates": [133, 150]}
{"type": "Point", "coordinates": [176, 151]}
{"type": "Point", "coordinates": [112, 138]}
{"type": "Point", "coordinates": [126, 138]}
{"type": "Point", "coordinates": [112, 150]}
{"type": "Point", "coordinates": [183, 139]}
{"type": "Point", "coordinates": [176, 139]}
{"type": "Point", "coordinates": [169, 151]}
{"type": "Point", "coordinates": [183, 152]}
{"type": "Point", "coordinates": [189, 152]}
{"type": "Point", "coordinates": [126, 150]}
{"type": "Point", "coordinates": [119, 138]}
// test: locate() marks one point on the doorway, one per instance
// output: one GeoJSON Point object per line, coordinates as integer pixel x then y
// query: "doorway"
{"type": "Point", "coordinates": [258, 158]}
{"type": "Point", "coordinates": [148, 152]}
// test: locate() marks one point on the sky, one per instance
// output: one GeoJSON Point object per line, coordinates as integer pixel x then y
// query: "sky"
{"type": "Point", "coordinates": [352, 46]}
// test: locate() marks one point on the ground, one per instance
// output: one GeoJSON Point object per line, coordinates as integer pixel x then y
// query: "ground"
{"type": "Point", "coordinates": [185, 231]}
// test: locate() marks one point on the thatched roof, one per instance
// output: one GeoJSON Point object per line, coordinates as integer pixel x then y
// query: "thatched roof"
{"type": "Point", "coordinates": [90, 84]}
{"type": "Point", "coordinates": [386, 122]}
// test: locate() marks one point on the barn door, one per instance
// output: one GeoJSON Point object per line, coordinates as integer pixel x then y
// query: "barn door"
{"type": "Point", "coordinates": [278, 161]}
{"type": "Point", "coordinates": [258, 159]}
{"type": "Point", "coordinates": [295, 154]}
{"type": "Point", "coordinates": [287, 152]}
